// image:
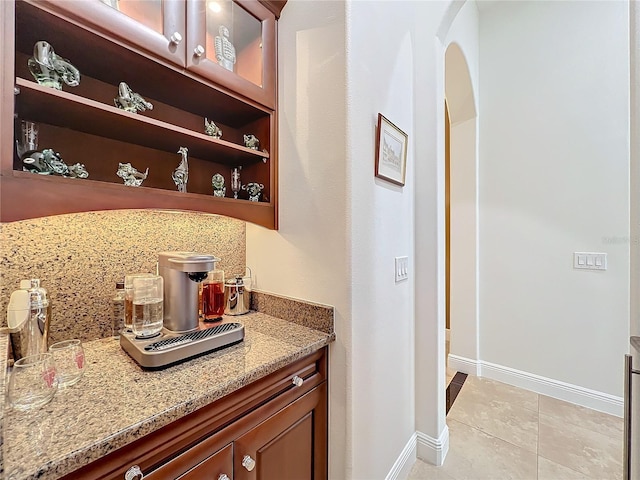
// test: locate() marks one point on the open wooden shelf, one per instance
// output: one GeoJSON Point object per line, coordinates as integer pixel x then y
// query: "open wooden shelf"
{"type": "Point", "coordinates": [60, 108]}
{"type": "Point", "coordinates": [85, 127]}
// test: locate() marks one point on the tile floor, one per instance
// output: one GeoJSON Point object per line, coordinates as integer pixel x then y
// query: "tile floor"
{"type": "Point", "coordinates": [502, 432]}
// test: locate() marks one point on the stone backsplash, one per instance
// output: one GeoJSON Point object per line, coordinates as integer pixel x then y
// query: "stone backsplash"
{"type": "Point", "coordinates": [79, 258]}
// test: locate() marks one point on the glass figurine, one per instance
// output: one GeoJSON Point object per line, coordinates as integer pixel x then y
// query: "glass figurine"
{"type": "Point", "coordinates": [49, 162]}
{"type": "Point", "coordinates": [250, 141]}
{"type": "Point", "coordinates": [131, 176]}
{"type": "Point", "coordinates": [236, 184]}
{"type": "Point", "coordinates": [130, 101]}
{"type": "Point", "coordinates": [50, 69]}
{"type": "Point", "coordinates": [225, 51]}
{"type": "Point", "coordinates": [181, 173]}
{"type": "Point", "coordinates": [254, 190]}
{"type": "Point", "coordinates": [217, 182]}
{"type": "Point", "coordinates": [212, 129]}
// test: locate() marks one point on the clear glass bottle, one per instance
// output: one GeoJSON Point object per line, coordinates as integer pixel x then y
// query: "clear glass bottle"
{"type": "Point", "coordinates": [39, 318]}
{"type": "Point", "coordinates": [117, 303]}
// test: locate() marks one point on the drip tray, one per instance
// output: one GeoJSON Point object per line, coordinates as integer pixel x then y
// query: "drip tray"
{"type": "Point", "coordinates": [169, 348]}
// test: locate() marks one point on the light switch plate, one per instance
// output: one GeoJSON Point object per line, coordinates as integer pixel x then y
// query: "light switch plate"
{"type": "Point", "coordinates": [402, 268]}
{"type": "Point", "coordinates": [590, 261]}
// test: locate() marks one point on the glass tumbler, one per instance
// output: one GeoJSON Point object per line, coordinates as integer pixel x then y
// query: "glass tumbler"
{"type": "Point", "coordinates": [128, 298]}
{"type": "Point", "coordinates": [213, 296]}
{"type": "Point", "coordinates": [33, 381]}
{"type": "Point", "coordinates": [148, 294]}
{"type": "Point", "coordinates": [69, 359]}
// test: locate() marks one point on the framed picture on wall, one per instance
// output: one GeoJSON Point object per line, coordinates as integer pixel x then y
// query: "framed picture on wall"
{"type": "Point", "coordinates": [391, 152]}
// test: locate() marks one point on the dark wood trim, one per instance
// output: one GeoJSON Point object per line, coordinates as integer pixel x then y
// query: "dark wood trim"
{"type": "Point", "coordinates": [447, 214]}
{"type": "Point", "coordinates": [58, 195]}
{"type": "Point", "coordinates": [275, 6]}
{"type": "Point", "coordinates": [7, 50]}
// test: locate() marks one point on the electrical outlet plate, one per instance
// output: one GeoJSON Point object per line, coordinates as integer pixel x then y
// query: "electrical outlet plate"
{"type": "Point", "coordinates": [402, 268]}
{"type": "Point", "coordinates": [589, 261]}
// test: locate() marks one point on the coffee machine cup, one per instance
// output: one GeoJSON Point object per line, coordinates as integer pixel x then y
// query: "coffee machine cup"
{"type": "Point", "coordinates": [182, 272]}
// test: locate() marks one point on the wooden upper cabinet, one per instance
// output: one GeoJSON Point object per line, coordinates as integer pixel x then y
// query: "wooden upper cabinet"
{"type": "Point", "coordinates": [230, 42]}
{"type": "Point", "coordinates": [157, 27]}
{"type": "Point", "coordinates": [233, 44]}
{"type": "Point", "coordinates": [192, 60]}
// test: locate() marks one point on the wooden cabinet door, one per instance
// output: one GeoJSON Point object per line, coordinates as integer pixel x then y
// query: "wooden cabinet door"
{"type": "Point", "coordinates": [233, 43]}
{"type": "Point", "coordinates": [291, 444]}
{"type": "Point", "coordinates": [156, 27]}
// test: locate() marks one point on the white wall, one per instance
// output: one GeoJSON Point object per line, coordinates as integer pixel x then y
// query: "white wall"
{"type": "Point", "coordinates": [380, 80]}
{"type": "Point", "coordinates": [309, 256]}
{"type": "Point", "coordinates": [554, 179]}
{"type": "Point", "coordinates": [340, 227]}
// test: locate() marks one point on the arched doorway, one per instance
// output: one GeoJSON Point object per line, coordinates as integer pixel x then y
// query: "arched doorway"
{"type": "Point", "coordinates": [461, 179]}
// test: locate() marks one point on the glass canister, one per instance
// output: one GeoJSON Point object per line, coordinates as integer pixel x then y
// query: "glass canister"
{"type": "Point", "coordinates": [148, 294]}
{"type": "Point", "coordinates": [128, 298]}
{"type": "Point", "coordinates": [213, 296]}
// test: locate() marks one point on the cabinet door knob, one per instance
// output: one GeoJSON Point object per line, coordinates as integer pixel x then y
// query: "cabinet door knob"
{"type": "Point", "coordinates": [248, 463]}
{"type": "Point", "coordinates": [134, 472]}
{"type": "Point", "coordinates": [223, 476]}
{"type": "Point", "coordinates": [176, 38]}
{"type": "Point", "coordinates": [297, 381]}
{"type": "Point", "coordinates": [198, 51]}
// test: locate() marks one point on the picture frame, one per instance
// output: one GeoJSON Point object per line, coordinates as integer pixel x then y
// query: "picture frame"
{"type": "Point", "coordinates": [391, 152]}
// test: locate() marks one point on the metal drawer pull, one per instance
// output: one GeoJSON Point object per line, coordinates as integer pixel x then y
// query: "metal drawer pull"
{"type": "Point", "coordinates": [628, 377]}
{"type": "Point", "coordinates": [176, 38]}
{"type": "Point", "coordinates": [248, 463]}
{"type": "Point", "coordinates": [223, 476]}
{"type": "Point", "coordinates": [134, 472]}
{"type": "Point", "coordinates": [198, 51]}
{"type": "Point", "coordinates": [297, 381]}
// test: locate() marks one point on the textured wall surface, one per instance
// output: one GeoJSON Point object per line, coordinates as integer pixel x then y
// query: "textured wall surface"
{"type": "Point", "coordinates": [79, 257]}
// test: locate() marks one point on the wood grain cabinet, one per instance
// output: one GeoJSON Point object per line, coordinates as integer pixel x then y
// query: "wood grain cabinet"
{"type": "Point", "coordinates": [274, 428]}
{"type": "Point", "coordinates": [285, 446]}
{"type": "Point", "coordinates": [166, 52]}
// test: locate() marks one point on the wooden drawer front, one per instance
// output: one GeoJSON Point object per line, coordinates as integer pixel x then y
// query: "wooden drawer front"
{"type": "Point", "coordinates": [312, 370]}
{"type": "Point", "coordinates": [309, 371]}
{"type": "Point", "coordinates": [217, 465]}
{"type": "Point", "coordinates": [198, 463]}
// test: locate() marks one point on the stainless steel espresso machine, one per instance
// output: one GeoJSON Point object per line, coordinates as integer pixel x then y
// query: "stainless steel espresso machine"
{"type": "Point", "coordinates": [184, 336]}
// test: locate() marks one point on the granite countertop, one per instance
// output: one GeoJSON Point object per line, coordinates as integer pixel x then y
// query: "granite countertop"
{"type": "Point", "coordinates": [117, 402]}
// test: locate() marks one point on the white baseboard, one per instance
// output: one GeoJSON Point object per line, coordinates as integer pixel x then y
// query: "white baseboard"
{"type": "Point", "coordinates": [433, 450]}
{"type": "Point", "coordinates": [585, 397]}
{"type": "Point", "coordinates": [405, 461]}
{"type": "Point", "coordinates": [464, 365]}
{"type": "Point", "coordinates": [420, 446]}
